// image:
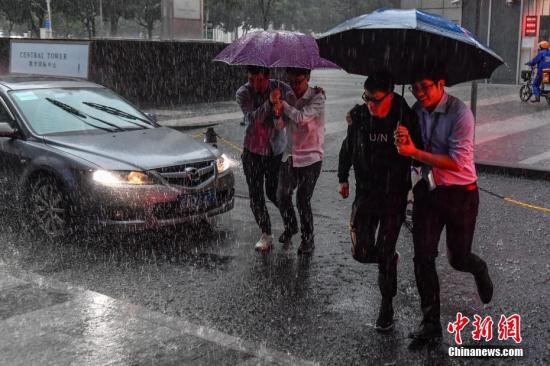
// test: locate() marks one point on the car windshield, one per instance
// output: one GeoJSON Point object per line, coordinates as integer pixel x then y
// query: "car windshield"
{"type": "Point", "coordinates": [77, 110]}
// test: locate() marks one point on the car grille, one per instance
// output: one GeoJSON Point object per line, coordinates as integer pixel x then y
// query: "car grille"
{"type": "Point", "coordinates": [189, 175]}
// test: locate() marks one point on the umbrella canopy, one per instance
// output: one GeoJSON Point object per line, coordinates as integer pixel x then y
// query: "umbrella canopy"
{"type": "Point", "coordinates": [275, 49]}
{"type": "Point", "coordinates": [406, 42]}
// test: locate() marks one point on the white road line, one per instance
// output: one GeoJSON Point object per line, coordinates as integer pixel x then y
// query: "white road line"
{"type": "Point", "coordinates": [133, 314]}
{"type": "Point", "coordinates": [536, 158]}
{"type": "Point", "coordinates": [494, 130]}
{"type": "Point", "coordinates": [495, 100]}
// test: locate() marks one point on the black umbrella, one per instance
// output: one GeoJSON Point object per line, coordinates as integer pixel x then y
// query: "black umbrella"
{"type": "Point", "coordinates": [407, 42]}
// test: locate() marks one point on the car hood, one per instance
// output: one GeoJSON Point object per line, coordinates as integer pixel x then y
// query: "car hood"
{"type": "Point", "coordinates": [137, 149]}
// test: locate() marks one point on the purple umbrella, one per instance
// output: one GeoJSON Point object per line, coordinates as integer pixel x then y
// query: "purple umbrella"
{"type": "Point", "coordinates": [275, 49]}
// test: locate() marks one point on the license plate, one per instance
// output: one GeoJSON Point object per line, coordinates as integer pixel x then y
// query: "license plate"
{"type": "Point", "coordinates": [199, 200]}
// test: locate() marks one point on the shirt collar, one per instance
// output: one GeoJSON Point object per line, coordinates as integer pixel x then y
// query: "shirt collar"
{"type": "Point", "coordinates": [308, 94]}
{"type": "Point", "coordinates": [441, 107]}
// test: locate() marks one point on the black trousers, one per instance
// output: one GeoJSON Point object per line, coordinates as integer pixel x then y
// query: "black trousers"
{"type": "Point", "coordinates": [370, 246]}
{"type": "Point", "coordinates": [454, 208]}
{"type": "Point", "coordinates": [261, 171]}
{"type": "Point", "coordinates": [302, 180]}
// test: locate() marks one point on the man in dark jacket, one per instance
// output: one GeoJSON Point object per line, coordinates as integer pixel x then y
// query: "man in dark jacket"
{"type": "Point", "coordinates": [383, 179]}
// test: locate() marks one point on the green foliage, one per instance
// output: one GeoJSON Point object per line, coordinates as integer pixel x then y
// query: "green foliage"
{"type": "Point", "coordinates": [301, 15]}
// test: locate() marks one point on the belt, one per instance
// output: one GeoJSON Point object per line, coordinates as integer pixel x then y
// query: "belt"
{"type": "Point", "coordinates": [467, 187]}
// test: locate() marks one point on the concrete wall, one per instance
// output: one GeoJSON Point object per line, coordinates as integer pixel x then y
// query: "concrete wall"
{"type": "Point", "coordinates": [157, 73]}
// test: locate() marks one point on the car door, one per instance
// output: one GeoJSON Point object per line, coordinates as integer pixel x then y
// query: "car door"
{"type": "Point", "coordinates": [10, 159]}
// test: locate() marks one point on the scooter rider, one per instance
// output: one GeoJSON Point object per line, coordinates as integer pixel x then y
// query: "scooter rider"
{"type": "Point", "coordinates": [542, 61]}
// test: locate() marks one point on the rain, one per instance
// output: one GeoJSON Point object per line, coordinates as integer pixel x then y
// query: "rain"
{"type": "Point", "coordinates": [226, 182]}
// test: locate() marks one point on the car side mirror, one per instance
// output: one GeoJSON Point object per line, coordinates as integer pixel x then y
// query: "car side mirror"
{"type": "Point", "coordinates": [6, 130]}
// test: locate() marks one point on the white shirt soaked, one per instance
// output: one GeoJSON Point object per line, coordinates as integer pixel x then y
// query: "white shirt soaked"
{"type": "Point", "coordinates": [305, 122]}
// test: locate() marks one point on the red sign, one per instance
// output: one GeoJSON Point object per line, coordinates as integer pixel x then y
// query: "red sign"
{"type": "Point", "coordinates": [530, 29]}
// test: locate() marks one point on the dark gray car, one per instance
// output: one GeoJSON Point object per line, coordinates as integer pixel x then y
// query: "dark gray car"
{"type": "Point", "coordinates": [72, 151]}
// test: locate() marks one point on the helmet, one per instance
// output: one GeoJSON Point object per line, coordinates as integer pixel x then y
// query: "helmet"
{"type": "Point", "coordinates": [544, 44]}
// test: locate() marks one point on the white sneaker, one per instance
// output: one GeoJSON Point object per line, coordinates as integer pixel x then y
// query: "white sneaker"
{"type": "Point", "coordinates": [265, 243]}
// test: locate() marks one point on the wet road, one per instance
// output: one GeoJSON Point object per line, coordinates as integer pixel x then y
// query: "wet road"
{"type": "Point", "coordinates": [320, 308]}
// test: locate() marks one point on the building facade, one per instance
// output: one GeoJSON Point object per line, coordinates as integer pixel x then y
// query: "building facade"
{"type": "Point", "coordinates": [512, 28]}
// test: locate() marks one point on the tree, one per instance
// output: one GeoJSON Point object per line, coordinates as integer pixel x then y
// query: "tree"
{"type": "Point", "coordinates": [13, 11]}
{"type": "Point", "coordinates": [226, 14]}
{"type": "Point", "coordinates": [266, 11]}
{"type": "Point", "coordinates": [114, 10]}
{"type": "Point", "coordinates": [146, 13]}
{"type": "Point", "coordinates": [85, 11]}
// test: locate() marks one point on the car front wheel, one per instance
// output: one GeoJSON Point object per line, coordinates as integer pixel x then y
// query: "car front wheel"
{"type": "Point", "coordinates": [48, 207]}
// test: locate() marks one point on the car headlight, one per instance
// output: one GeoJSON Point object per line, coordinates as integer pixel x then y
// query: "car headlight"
{"type": "Point", "coordinates": [115, 178]}
{"type": "Point", "coordinates": [224, 162]}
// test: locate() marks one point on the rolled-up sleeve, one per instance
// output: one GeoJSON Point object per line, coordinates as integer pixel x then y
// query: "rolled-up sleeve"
{"type": "Point", "coordinates": [308, 113]}
{"type": "Point", "coordinates": [251, 114]}
{"type": "Point", "coordinates": [461, 139]}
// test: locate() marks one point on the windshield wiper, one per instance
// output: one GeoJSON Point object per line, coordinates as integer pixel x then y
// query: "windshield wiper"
{"type": "Point", "coordinates": [76, 112]}
{"type": "Point", "coordinates": [66, 107]}
{"type": "Point", "coordinates": [117, 112]}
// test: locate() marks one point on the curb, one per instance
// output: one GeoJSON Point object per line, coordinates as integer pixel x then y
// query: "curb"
{"type": "Point", "coordinates": [521, 171]}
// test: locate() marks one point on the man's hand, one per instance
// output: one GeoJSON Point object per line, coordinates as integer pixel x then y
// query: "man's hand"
{"type": "Point", "coordinates": [349, 119]}
{"type": "Point", "coordinates": [318, 90]}
{"type": "Point", "coordinates": [275, 96]}
{"type": "Point", "coordinates": [278, 108]}
{"type": "Point", "coordinates": [343, 189]}
{"type": "Point", "coordinates": [403, 142]}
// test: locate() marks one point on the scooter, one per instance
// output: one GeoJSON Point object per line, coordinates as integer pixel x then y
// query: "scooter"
{"type": "Point", "coordinates": [526, 90]}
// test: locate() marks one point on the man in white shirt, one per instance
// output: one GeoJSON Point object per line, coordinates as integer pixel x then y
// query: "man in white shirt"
{"type": "Point", "coordinates": [302, 159]}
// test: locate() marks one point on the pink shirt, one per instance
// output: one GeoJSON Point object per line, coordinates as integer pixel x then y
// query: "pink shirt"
{"type": "Point", "coordinates": [449, 130]}
{"type": "Point", "coordinates": [305, 129]}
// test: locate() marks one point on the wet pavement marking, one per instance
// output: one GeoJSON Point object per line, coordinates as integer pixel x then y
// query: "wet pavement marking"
{"type": "Point", "coordinates": [494, 130]}
{"type": "Point", "coordinates": [225, 141]}
{"type": "Point", "coordinates": [516, 202]}
{"type": "Point", "coordinates": [536, 158]}
{"type": "Point", "coordinates": [90, 328]}
{"type": "Point", "coordinates": [27, 298]}
{"type": "Point", "coordinates": [527, 205]}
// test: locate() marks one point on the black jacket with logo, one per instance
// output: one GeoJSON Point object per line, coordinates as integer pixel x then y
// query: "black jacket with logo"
{"type": "Point", "coordinates": [382, 175]}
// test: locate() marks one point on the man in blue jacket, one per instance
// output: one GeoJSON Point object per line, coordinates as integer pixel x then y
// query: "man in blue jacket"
{"type": "Point", "coordinates": [542, 61]}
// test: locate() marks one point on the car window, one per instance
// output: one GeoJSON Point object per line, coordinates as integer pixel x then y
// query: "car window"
{"type": "Point", "coordinates": [76, 110]}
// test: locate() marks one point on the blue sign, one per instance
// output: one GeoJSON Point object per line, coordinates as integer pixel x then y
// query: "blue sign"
{"type": "Point", "coordinates": [47, 23]}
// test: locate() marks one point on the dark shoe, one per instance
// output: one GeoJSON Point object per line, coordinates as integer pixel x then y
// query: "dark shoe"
{"type": "Point", "coordinates": [286, 236]}
{"type": "Point", "coordinates": [384, 323]}
{"type": "Point", "coordinates": [535, 100]}
{"type": "Point", "coordinates": [306, 247]}
{"type": "Point", "coordinates": [484, 286]}
{"type": "Point", "coordinates": [426, 331]}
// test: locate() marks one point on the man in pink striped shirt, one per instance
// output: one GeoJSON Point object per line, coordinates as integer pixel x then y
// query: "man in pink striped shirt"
{"type": "Point", "coordinates": [302, 159]}
{"type": "Point", "coordinates": [447, 197]}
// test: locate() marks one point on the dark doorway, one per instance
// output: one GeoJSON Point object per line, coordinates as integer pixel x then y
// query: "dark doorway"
{"type": "Point", "coordinates": [544, 31]}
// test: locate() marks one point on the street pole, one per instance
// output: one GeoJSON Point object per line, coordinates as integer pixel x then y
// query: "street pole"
{"type": "Point", "coordinates": [50, 31]}
{"type": "Point", "coordinates": [473, 96]}
{"type": "Point", "coordinates": [101, 18]}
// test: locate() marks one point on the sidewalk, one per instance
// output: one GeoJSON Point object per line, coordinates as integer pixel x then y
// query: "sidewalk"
{"type": "Point", "coordinates": [509, 133]}
{"type": "Point", "coordinates": [45, 322]}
